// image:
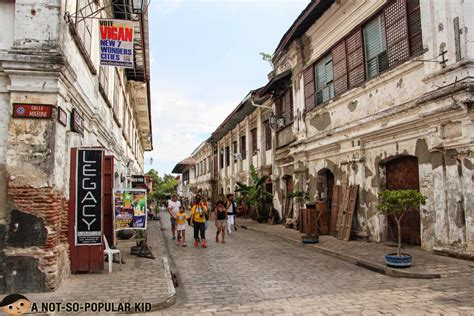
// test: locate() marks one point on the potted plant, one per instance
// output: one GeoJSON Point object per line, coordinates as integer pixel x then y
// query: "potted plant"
{"type": "Point", "coordinates": [255, 194]}
{"type": "Point", "coordinates": [397, 203]}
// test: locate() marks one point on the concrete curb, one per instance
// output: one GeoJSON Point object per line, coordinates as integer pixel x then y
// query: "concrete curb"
{"type": "Point", "coordinates": [171, 299]}
{"type": "Point", "coordinates": [376, 267]}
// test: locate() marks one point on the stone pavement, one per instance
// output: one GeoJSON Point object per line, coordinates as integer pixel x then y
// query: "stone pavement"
{"type": "Point", "coordinates": [371, 255]}
{"type": "Point", "coordinates": [141, 280]}
{"type": "Point", "coordinates": [255, 274]}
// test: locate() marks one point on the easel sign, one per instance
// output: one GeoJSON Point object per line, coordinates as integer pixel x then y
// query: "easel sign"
{"type": "Point", "coordinates": [130, 209]}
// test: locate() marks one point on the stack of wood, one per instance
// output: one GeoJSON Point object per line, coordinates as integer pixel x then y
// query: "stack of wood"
{"type": "Point", "coordinates": [344, 200]}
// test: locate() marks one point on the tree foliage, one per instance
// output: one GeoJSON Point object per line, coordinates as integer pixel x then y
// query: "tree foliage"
{"type": "Point", "coordinates": [397, 203]}
{"type": "Point", "coordinates": [255, 192]}
{"type": "Point", "coordinates": [163, 187]}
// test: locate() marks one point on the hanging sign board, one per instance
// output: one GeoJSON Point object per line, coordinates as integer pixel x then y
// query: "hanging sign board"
{"type": "Point", "coordinates": [32, 111]}
{"type": "Point", "coordinates": [138, 181]}
{"type": "Point", "coordinates": [116, 43]}
{"type": "Point", "coordinates": [130, 209]}
{"type": "Point", "coordinates": [77, 122]}
{"type": "Point", "coordinates": [89, 197]}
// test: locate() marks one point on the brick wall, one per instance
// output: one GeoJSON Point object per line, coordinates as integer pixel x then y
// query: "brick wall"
{"type": "Point", "coordinates": [49, 211]}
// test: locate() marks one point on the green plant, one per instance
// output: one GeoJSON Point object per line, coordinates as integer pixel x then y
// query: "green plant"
{"type": "Point", "coordinates": [255, 193]}
{"type": "Point", "coordinates": [300, 196]}
{"type": "Point", "coordinates": [397, 203]}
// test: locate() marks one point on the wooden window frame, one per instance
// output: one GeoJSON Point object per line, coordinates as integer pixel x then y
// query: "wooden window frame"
{"type": "Point", "coordinates": [342, 76]}
{"type": "Point", "coordinates": [283, 109]}
{"type": "Point", "coordinates": [268, 136]}
{"type": "Point", "coordinates": [235, 149]}
{"type": "Point", "coordinates": [221, 158]}
{"type": "Point", "coordinates": [253, 132]}
{"type": "Point", "coordinates": [227, 156]}
{"type": "Point", "coordinates": [243, 147]}
{"type": "Point", "coordinates": [327, 84]}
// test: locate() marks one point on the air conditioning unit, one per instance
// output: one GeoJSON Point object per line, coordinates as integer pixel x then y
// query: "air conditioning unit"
{"type": "Point", "coordinates": [280, 122]}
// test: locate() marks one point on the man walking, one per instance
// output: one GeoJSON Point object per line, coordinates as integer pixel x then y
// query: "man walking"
{"type": "Point", "coordinates": [173, 208]}
{"type": "Point", "coordinates": [231, 207]}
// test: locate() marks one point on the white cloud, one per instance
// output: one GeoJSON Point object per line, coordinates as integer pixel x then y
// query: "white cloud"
{"type": "Point", "coordinates": [181, 124]}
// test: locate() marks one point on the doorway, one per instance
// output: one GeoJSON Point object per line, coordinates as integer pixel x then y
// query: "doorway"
{"type": "Point", "coordinates": [402, 173]}
{"type": "Point", "coordinates": [288, 209]}
{"type": "Point", "coordinates": [324, 187]}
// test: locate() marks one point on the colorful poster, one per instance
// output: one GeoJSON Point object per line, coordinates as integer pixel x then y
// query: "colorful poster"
{"type": "Point", "coordinates": [116, 43]}
{"type": "Point", "coordinates": [130, 209]}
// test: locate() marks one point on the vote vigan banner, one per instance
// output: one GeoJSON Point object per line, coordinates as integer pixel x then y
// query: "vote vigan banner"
{"type": "Point", "coordinates": [116, 43]}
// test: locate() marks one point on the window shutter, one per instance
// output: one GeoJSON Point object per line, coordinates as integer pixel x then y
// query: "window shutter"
{"type": "Point", "coordinates": [355, 58]}
{"type": "Point", "coordinates": [414, 27]}
{"type": "Point", "coordinates": [396, 29]}
{"type": "Point", "coordinates": [308, 78]}
{"type": "Point", "coordinates": [268, 136]}
{"type": "Point", "coordinates": [340, 67]}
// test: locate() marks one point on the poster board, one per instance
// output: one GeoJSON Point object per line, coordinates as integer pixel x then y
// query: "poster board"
{"type": "Point", "coordinates": [116, 43]}
{"type": "Point", "coordinates": [130, 209]}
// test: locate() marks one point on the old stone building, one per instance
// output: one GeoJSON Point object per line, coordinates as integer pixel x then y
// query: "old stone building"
{"type": "Point", "coordinates": [379, 94]}
{"type": "Point", "coordinates": [49, 65]}
{"type": "Point", "coordinates": [196, 173]}
{"type": "Point", "coordinates": [243, 139]}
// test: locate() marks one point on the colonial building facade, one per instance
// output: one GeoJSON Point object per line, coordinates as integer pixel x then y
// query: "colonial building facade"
{"type": "Point", "coordinates": [242, 140]}
{"type": "Point", "coordinates": [381, 97]}
{"type": "Point", "coordinates": [49, 62]}
{"type": "Point", "coordinates": [376, 94]}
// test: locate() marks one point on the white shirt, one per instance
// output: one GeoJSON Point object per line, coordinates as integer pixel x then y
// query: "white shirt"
{"type": "Point", "coordinates": [174, 206]}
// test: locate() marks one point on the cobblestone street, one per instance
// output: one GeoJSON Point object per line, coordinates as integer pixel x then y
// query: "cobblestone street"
{"type": "Point", "coordinates": [254, 273]}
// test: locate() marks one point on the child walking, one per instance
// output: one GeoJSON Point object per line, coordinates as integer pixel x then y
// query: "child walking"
{"type": "Point", "coordinates": [181, 226]}
{"type": "Point", "coordinates": [221, 220]}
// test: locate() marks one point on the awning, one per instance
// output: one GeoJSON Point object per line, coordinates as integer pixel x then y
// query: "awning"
{"type": "Point", "coordinates": [181, 166]}
{"type": "Point", "coordinates": [276, 83]}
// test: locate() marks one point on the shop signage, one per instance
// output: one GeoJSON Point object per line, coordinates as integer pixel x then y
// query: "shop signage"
{"type": "Point", "coordinates": [77, 122]}
{"type": "Point", "coordinates": [116, 43]}
{"type": "Point", "coordinates": [138, 181]}
{"type": "Point", "coordinates": [32, 111]}
{"type": "Point", "coordinates": [130, 209]}
{"type": "Point", "coordinates": [62, 116]}
{"type": "Point", "coordinates": [89, 197]}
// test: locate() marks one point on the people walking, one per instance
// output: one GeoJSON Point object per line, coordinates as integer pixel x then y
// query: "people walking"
{"type": "Point", "coordinates": [173, 208]}
{"type": "Point", "coordinates": [181, 226]}
{"type": "Point", "coordinates": [231, 207]}
{"type": "Point", "coordinates": [198, 221]}
{"type": "Point", "coordinates": [221, 220]}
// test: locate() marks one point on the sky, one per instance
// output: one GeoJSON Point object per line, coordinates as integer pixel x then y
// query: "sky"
{"type": "Point", "coordinates": [204, 59]}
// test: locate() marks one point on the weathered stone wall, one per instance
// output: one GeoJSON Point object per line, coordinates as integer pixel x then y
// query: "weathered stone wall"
{"type": "Point", "coordinates": [40, 63]}
{"type": "Point", "coordinates": [416, 109]}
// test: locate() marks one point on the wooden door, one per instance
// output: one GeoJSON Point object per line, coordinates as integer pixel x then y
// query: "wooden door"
{"type": "Point", "coordinates": [288, 201]}
{"type": "Point", "coordinates": [108, 205]}
{"type": "Point", "coordinates": [402, 173]}
{"type": "Point", "coordinates": [85, 258]}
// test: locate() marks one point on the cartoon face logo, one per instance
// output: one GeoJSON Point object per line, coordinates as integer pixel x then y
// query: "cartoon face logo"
{"type": "Point", "coordinates": [15, 304]}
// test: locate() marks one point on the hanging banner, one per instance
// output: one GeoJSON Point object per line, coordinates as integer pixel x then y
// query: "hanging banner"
{"type": "Point", "coordinates": [89, 197]}
{"type": "Point", "coordinates": [130, 209]}
{"type": "Point", "coordinates": [116, 43]}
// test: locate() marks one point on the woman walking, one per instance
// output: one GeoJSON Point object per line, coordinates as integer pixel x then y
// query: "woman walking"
{"type": "Point", "coordinates": [198, 220]}
{"type": "Point", "coordinates": [221, 220]}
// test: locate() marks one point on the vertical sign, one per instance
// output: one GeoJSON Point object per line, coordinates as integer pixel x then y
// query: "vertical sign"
{"type": "Point", "coordinates": [89, 197]}
{"type": "Point", "coordinates": [116, 43]}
